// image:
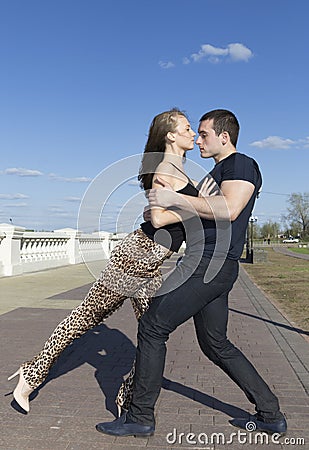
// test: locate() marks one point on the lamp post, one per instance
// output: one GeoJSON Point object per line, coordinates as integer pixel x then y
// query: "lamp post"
{"type": "Point", "coordinates": [252, 221]}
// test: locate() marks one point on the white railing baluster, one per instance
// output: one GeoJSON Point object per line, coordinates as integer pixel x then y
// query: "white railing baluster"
{"type": "Point", "coordinates": [26, 251]}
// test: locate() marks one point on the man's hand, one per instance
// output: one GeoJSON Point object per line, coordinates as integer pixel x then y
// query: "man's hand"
{"type": "Point", "coordinates": [209, 187]}
{"type": "Point", "coordinates": [164, 197]}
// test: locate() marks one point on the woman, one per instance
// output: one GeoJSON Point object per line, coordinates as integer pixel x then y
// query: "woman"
{"type": "Point", "coordinates": [133, 270]}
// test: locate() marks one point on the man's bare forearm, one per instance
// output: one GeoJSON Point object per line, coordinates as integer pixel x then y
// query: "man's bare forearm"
{"type": "Point", "coordinates": [211, 208]}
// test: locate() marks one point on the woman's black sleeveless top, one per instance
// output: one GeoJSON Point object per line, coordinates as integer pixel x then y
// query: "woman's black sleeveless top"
{"type": "Point", "coordinates": [170, 236]}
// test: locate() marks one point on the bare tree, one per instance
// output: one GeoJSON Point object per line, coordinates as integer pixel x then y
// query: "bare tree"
{"type": "Point", "coordinates": [298, 211]}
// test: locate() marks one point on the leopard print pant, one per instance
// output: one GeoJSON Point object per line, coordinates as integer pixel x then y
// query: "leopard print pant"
{"type": "Point", "coordinates": [133, 272]}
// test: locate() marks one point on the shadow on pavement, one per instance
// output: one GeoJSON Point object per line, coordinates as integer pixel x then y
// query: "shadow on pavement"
{"type": "Point", "coordinates": [108, 350]}
{"type": "Point", "coordinates": [204, 399]}
{"type": "Point", "coordinates": [111, 353]}
{"type": "Point", "coordinates": [277, 324]}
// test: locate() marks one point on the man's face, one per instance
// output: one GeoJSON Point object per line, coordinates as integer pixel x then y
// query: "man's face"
{"type": "Point", "coordinates": [208, 142]}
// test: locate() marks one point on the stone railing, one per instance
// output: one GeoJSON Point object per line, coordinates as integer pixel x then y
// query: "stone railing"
{"type": "Point", "coordinates": [2, 237]}
{"type": "Point", "coordinates": [23, 251]}
{"type": "Point", "coordinates": [39, 251]}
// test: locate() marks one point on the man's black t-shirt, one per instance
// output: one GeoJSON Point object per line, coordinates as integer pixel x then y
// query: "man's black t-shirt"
{"type": "Point", "coordinates": [236, 166]}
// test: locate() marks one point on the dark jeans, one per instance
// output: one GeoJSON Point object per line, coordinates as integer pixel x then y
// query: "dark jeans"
{"type": "Point", "coordinates": [207, 303]}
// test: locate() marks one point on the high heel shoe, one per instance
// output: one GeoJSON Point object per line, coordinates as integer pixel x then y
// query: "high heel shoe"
{"type": "Point", "coordinates": [22, 391]}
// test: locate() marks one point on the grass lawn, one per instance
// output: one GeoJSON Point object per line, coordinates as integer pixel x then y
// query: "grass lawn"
{"type": "Point", "coordinates": [285, 280]}
{"type": "Point", "coordinates": [303, 251]}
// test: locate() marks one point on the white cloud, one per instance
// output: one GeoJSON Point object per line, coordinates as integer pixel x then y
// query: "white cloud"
{"type": "Point", "coordinates": [208, 50]}
{"type": "Point", "coordinates": [56, 209]}
{"type": "Point", "coordinates": [234, 52]}
{"type": "Point", "coordinates": [21, 172]}
{"type": "Point", "coordinates": [277, 142]}
{"type": "Point", "coordinates": [133, 183]}
{"type": "Point", "coordinates": [64, 214]}
{"type": "Point", "coordinates": [166, 65]}
{"type": "Point", "coordinates": [70, 180]}
{"type": "Point", "coordinates": [13, 196]}
{"type": "Point", "coordinates": [15, 205]}
{"type": "Point", "coordinates": [305, 142]}
{"type": "Point", "coordinates": [72, 199]}
{"type": "Point", "coordinates": [238, 52]}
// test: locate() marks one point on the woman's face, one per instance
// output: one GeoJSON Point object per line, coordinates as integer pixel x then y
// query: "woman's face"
{"type": "Point", "coordinates": [184, 135]}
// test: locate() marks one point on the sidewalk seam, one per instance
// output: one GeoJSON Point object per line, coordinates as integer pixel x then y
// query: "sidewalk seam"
{"type": "Point", "coordinates": [300, 367]}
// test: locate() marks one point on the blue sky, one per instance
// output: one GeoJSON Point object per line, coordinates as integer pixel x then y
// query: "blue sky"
{"type": "Point", "coordinates": [81, 80]}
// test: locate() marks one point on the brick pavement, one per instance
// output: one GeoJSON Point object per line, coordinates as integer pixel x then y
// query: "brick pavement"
{"type": "Point", "coordinates": [197, 397]}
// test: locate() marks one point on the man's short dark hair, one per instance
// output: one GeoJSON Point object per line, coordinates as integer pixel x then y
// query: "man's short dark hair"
{"type": "Point", "coordinates": [223, 120]}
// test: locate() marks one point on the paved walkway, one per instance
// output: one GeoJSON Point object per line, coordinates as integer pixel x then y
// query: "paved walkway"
{"type": "Point", "coordinates": [288, 252]}
{"type": "Point", "coordinates": [197, 396]}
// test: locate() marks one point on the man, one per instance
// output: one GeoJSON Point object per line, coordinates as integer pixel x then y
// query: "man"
{"type": "Point", "coordinates": [205, 298]}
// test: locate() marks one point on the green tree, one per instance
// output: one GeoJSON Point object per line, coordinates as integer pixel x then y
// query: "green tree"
{"type": "Point", "coordinates": [298, 213]}
{"type": "Point", "coordinates": [270, 230]}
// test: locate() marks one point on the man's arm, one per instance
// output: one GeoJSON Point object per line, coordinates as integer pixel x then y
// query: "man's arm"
{"type": "Point", "coordinates": [235, 194]}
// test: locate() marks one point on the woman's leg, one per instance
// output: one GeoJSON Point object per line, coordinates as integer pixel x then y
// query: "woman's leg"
{"type": "Point", "coordinates": [99, 303]}
{"type": "Point", "coordinates": [133, 267]}
{"type": "Point", "coordinates": [124, 395]}
{"type": "Point", "coordinates": [140, 303]}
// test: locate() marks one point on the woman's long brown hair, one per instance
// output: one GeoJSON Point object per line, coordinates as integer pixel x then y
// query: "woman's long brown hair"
{"type": "Point", "coordinates": [155, 146]}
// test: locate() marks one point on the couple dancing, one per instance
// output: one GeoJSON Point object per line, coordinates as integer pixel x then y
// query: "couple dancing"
{"type": "Point", "coordinates": [214, 228]}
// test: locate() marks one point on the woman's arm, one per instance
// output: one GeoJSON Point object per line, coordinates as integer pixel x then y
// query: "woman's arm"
{"type": "Point", "coordinates": [162, 216]}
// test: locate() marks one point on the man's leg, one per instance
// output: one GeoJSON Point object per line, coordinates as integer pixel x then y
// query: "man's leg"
{"type": "Point", "coordinates": [165, 314]}
{"type": "Point", "coordinates": [153, 332]}
{"type": "Point", "coordinates": [211, 326]}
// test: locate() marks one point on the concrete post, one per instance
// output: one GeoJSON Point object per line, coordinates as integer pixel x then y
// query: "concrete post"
{"type": "Point", "coordinates": [72, 244]}
{"type": "Point", "coordinates": [10, 249]}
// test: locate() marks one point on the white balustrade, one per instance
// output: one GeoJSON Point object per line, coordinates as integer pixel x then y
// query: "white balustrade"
{"type": "Point", "coordinates": [94, 249]}
{"type": "Point", "coordinates": [41, 251]}
{"type": "Point", "coordinates": [2, 236]}
{"type": "Point", "coordinates": [24, 251]}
